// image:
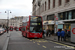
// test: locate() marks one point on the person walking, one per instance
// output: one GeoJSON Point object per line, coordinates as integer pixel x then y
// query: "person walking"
{"type": "Point", "coordinates": [58, 34]}
{"type": "Point", "coordinates": [47, 33]}
{"type": "Point", "coordinates": [65, 35]}
{"type": "Point", "coordinates": [62, 35]}
{"type": "Point", "coordinates": [44, 32]}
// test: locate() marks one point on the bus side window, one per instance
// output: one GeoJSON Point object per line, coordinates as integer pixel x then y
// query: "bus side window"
{"type": "Point", "coordinates": [23, 29]}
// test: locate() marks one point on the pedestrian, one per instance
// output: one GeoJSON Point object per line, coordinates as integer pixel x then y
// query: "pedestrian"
{"type": "Point", "coordinates": [53, 32]}
{"type": "Point", "coordinates": [49, 32]}
{"type": "Point", "coordinates": [65, 35]}
{"type": "Point", "coordinates": [68, 34]}
{"type": "Point", "coordinates": [58, 34]}
{"type": "Point", "coordinates": [62, 35]}
{"type": "Point", "coordinates": [44, 31]}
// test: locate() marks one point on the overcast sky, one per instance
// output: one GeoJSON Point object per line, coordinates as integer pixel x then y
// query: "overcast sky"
{"type": "Point", "coordinates": [17, 7]}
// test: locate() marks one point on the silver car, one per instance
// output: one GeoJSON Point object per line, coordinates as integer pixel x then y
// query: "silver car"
{"type": "Point", "coordinates": [1, 31]}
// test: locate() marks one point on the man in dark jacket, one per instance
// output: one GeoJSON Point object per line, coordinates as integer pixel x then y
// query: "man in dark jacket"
{"type": "Point", "coordinates": [62, 34]}
{"type": "Point", "coordinates": [58, 34]}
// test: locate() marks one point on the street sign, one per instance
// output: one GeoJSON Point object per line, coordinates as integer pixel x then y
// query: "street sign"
{"type": "Point", "coordinates": [56, 23]}
{"type": "Point", "coordinates": [56, 18]}
{"type": "Point", "coordinates": [73, 30]}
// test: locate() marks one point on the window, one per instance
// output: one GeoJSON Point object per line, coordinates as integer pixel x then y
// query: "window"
{"type": "Point", "coordinates": [59, 2]}
{"type": "Point", "coordinates": [23, 29]}
{"type": "Point", "coordinates": [45, 6]}
{"type": "Point", "coordinates": [60, 16]}
{"type": "Point", "coordinates": [48, 4]}
{"type": "Point", "coordinates": [73, 14]}
{"type": "Point", "coordinates": [50, 17]}
{"type": "Point", "coordinates": [53, 3]}
{"type": "Point", "coordinates": [65, 14]}
{"type": "Point", "coordinates": [67, 1]}
{"type": "Point", "coordinates": [70, 15]}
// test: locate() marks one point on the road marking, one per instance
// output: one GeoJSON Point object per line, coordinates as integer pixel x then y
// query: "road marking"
{"type": "Point", "coordinates": [41, 41]}
{"type": "Point", "coordinates": [30, 40]}
{"type": "Point", "coordinates": [63, 44]}
{"type": "Point", "coordinates": [44, 46]}
{"type": "Point", "coordinates": [33, 42]}
{"type": "Point", "coordinates": [50, 49]}
{"type": "Point", "coordinates": [38, 43]}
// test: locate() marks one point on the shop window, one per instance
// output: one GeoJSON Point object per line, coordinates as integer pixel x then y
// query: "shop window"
{"type": "Point", "coordinates": [67, 26]}
{"type": "Point", "coordinates": [60, 26]}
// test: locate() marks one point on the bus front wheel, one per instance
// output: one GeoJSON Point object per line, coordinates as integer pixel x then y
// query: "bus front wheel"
{"type": "Point", "coordinates": [26, 35]}
{"type": "Point", "coordinates": [22, 35]}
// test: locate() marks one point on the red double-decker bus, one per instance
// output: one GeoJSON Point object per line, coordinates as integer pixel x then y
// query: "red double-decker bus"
{"type": "Point", "coordinates": [11, 28]}
{"type": "Point", "coordinates": [32, 27]}
{"type": "Point", "coordinates": [20, 28]}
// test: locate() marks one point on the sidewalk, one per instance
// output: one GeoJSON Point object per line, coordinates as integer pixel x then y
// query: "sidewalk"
{"type": "Point", "coordinates": [3, 39]}
{"type": "Point", "coordinates": [55, 39]}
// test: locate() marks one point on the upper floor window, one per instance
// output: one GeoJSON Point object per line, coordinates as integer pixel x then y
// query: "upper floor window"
{"type": "Point", "coordinates": [67, 1]}
{"type": "Point", "coordinates": [60, 2]}
{"type": "Point", "coordinates": [50, 17]}
{"type": "Point", "coordinates": [45, 6]}
{"type": "Point", "coordinates": [48, 4]}
{"type": "Point", "coordinates": [53, 3]}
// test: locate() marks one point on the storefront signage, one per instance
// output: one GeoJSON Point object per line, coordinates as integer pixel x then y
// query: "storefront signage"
{"type": "Point", "coordinates": [46, 23]}
{"type": "Point", "coordinates": [50, 22]}
{"type": "Point", "coordinates": [73, 30]}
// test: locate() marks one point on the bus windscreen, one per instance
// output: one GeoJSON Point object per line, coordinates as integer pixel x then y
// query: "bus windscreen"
{"type": "Point", "coordinates": [36, 25]}
{"type": "Point", "coordinates": [36, 19]}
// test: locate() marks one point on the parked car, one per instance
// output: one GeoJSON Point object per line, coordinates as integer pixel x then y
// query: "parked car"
{"type": "Point", "coordinates": [1, 31]}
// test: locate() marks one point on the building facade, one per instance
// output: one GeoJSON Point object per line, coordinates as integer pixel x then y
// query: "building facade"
{"type": "Point", "coordinates": [3, 23]}
{"type": "Point", "coordinates": [16, 21]}
{"type": "Point", "coordinates": [51, 10]}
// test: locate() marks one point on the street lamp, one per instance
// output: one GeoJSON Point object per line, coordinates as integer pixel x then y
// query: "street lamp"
{"type": "Point", "coordinates": [7, 11]}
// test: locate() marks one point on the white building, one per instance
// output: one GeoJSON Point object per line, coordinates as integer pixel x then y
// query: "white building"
{"type": "Point", "coordinates": [16, 21]}
{"type": "Point", "coordinates": [3, 23]}
{"type": "Point", "coordinates": [63, 10]}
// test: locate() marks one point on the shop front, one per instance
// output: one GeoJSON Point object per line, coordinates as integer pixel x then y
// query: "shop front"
{"type": "Point", "coordinates": [48, 25]}
{"type": "Point", "coordinates": [45, 23]}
